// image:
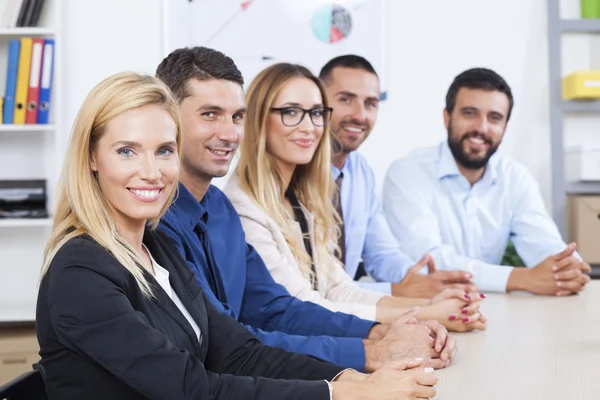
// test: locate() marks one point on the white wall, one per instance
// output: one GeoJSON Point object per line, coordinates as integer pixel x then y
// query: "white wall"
{"type": "Point", "coordinates": [429, 43]}
{"type": "Point", "coordinates": [106, 37]}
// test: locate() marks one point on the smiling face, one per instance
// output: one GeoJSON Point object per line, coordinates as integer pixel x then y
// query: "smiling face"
{"type": "Point", "coordinates": [136, 163]}
{"type": "Point", "coordinates": [295, 145]}
{"type": "Point", "coordinates": [476, 126]}
{"type": "Point", "coordinates": [213, 127]}
{"type": "Point", "coordinates": [354, 95]}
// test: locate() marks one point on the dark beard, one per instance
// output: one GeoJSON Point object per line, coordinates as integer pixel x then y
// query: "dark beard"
{"type": "Point", "coordinates": [461, 157]}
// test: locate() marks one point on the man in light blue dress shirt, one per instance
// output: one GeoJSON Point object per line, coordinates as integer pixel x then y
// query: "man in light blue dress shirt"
{"type": "Point", "coordinates": [353, 91]}
{"type": "Point", "coordinates": [461, 202]}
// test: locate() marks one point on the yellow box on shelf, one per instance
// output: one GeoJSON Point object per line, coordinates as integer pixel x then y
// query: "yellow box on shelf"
{"type": "Point", "coordinates": [581, 85]}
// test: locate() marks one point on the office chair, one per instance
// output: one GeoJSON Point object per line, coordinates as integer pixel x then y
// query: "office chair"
{"type": "Point", "coordinates": [27, 386]}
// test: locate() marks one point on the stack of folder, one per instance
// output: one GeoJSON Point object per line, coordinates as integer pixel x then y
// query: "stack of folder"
{"type": "Point", "coordinates": [28, 81]}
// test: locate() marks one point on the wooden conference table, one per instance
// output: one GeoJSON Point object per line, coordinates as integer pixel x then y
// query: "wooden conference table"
{"type": "Point", "coordinates": [535, 347]}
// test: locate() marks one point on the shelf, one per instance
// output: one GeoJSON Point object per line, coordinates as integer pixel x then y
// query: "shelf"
{"type": "Point", "coordinates": [25, 223]}
{"type": "Point", "coordinates": [21, 314]}
{"type": "Point", "coordinates": [27, 127]}
{"type": "Point", "coordinates": [583, 187]}
{"type": "Point", "coordinates": [580, 25]}
{"type": "Point", "coordinates": [26, 32]}
{"type": "Point", "coordinates": [583, 106]}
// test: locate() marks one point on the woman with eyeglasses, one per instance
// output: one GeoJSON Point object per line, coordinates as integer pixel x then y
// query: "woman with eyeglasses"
{"type": "Point", "coordinates": [283, 190]}
{"type": "Point", "coordinates": [120, 315]}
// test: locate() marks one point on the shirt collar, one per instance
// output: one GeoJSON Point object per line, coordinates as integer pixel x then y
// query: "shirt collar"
{"type": "Point", "coordinates": [345, 169]}
{"type": "Point", "coordinates": [447, 166]}
{"type": "Point", "coordinates": [490, 176]}
{"type": "Point", "coordinates": [190, 208]}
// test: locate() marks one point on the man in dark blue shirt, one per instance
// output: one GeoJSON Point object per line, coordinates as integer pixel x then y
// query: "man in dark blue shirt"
{"type": "Point", "coordinates": [208, 232]}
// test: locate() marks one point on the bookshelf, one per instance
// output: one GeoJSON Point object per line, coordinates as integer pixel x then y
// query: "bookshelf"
{"type": "Point", "coordinates": [558, 28]}
{"type": "Point", "coordinates": [25, 223]}
{"type": "Point", "coordinates": [12, 32]}
{"type": "Point", "coordinates": [29, 151]}
{"type": "Point", "coordinates": [27, 128]}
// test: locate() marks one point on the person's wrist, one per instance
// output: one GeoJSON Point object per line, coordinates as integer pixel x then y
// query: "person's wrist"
{"type": "Point", "coordinates": [350, 375]}
{"type": "Point", "coordinates": [426, 312]}
{"type": "Point", "coordinates": [372, 355]}
{"type": "Point", "coordinates": [377, 331]}
{"type": "Point", "coordinates": [398, 289]}
{"type": "Point", "coordinates": [345, 390]}
{"type": "Point", "coordinates": [422, 301]}
{"type": "Point", "coordinates": [519, 279]}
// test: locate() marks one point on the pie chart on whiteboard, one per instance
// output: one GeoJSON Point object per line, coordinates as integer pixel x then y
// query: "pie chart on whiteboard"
{"type": "Point", "coordinates": [332, 23]}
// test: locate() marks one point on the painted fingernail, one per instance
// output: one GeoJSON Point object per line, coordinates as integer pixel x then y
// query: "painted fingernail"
{"type": "Point", "coordinates": [556, 276]}
{"type": "Point", "coordinates": [419, 359]}
{"type": "Point", "coordinates": [483, 296]}
{"type": "Point", "coordinates": [554, 268]}
{"type": "Point", "coordinates": [467, 297]}
{"type": "Point", "coordinates": [559, 284]}
{"type": "Point", "coordinates": [428, 369]}
{"type": "Point", "coordinates": [464, 311]}
{"type": "Point", "coordinates": [465, 320]}
{"type": "Point", "coordinates": [452, 317]}
{"type": "Point", "coordinates": [468, 276]}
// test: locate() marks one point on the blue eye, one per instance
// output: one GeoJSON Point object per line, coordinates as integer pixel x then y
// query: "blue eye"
{"type": "Point", "coordinates": [126, 152]}
{"type": "Point", "coordinates": [317, 113]}
{"type": "Point", "coordinates": [165, 151]}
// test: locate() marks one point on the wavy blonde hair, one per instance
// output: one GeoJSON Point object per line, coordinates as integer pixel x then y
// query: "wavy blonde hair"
{"type": "Point", "coordinates": [312, 182]}
{"type": "Point", "coordinates": [80, 207]}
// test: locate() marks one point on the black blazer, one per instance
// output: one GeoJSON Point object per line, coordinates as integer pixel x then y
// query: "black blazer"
{"type": "Point", "coordinates": [101, 339]}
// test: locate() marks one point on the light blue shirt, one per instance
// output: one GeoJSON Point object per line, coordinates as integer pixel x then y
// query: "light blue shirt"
{"type": "Point", "coordinates": [432, 208]}
{"type": "Point", "coordinates": [368, 236]}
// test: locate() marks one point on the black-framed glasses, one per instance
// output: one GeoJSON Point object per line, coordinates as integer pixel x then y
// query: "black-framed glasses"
{"type": "Point", "coordinates": [293, 116]}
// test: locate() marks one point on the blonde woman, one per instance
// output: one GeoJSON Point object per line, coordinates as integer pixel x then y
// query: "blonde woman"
{"type": "Point", "coordinates": [283, 191]}
{"type": "Point", "coordinates": [119, 313]}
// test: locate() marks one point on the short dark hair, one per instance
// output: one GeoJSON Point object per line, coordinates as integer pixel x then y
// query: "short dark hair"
{"type": "Point", "coordinates": [199, 63]}
{"type": "Point", "coordinates": [345, 61]}
{"type": "Point", "coordinates": [478, 78]}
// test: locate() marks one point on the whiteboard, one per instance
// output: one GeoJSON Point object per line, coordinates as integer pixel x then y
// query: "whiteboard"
{"type": "Point", "coordinates": [258, 33]}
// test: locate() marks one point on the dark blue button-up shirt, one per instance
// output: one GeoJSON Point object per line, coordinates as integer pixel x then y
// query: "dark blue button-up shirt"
{"type": "Point", "coordinates": [209, 234]}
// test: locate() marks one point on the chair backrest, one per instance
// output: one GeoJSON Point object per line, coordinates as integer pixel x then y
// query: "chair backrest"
{"type": "Point", "coordinates": [28, 386]}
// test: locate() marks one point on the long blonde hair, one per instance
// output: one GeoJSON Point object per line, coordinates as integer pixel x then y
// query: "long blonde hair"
{"type": "Point", "coordinates": [312, 182]}
{"type": "Point", "coordinates": [80, 208]}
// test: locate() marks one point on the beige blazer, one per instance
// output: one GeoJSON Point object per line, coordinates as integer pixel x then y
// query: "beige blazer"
{"type": "Point", "coordinates": [336, 290]}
